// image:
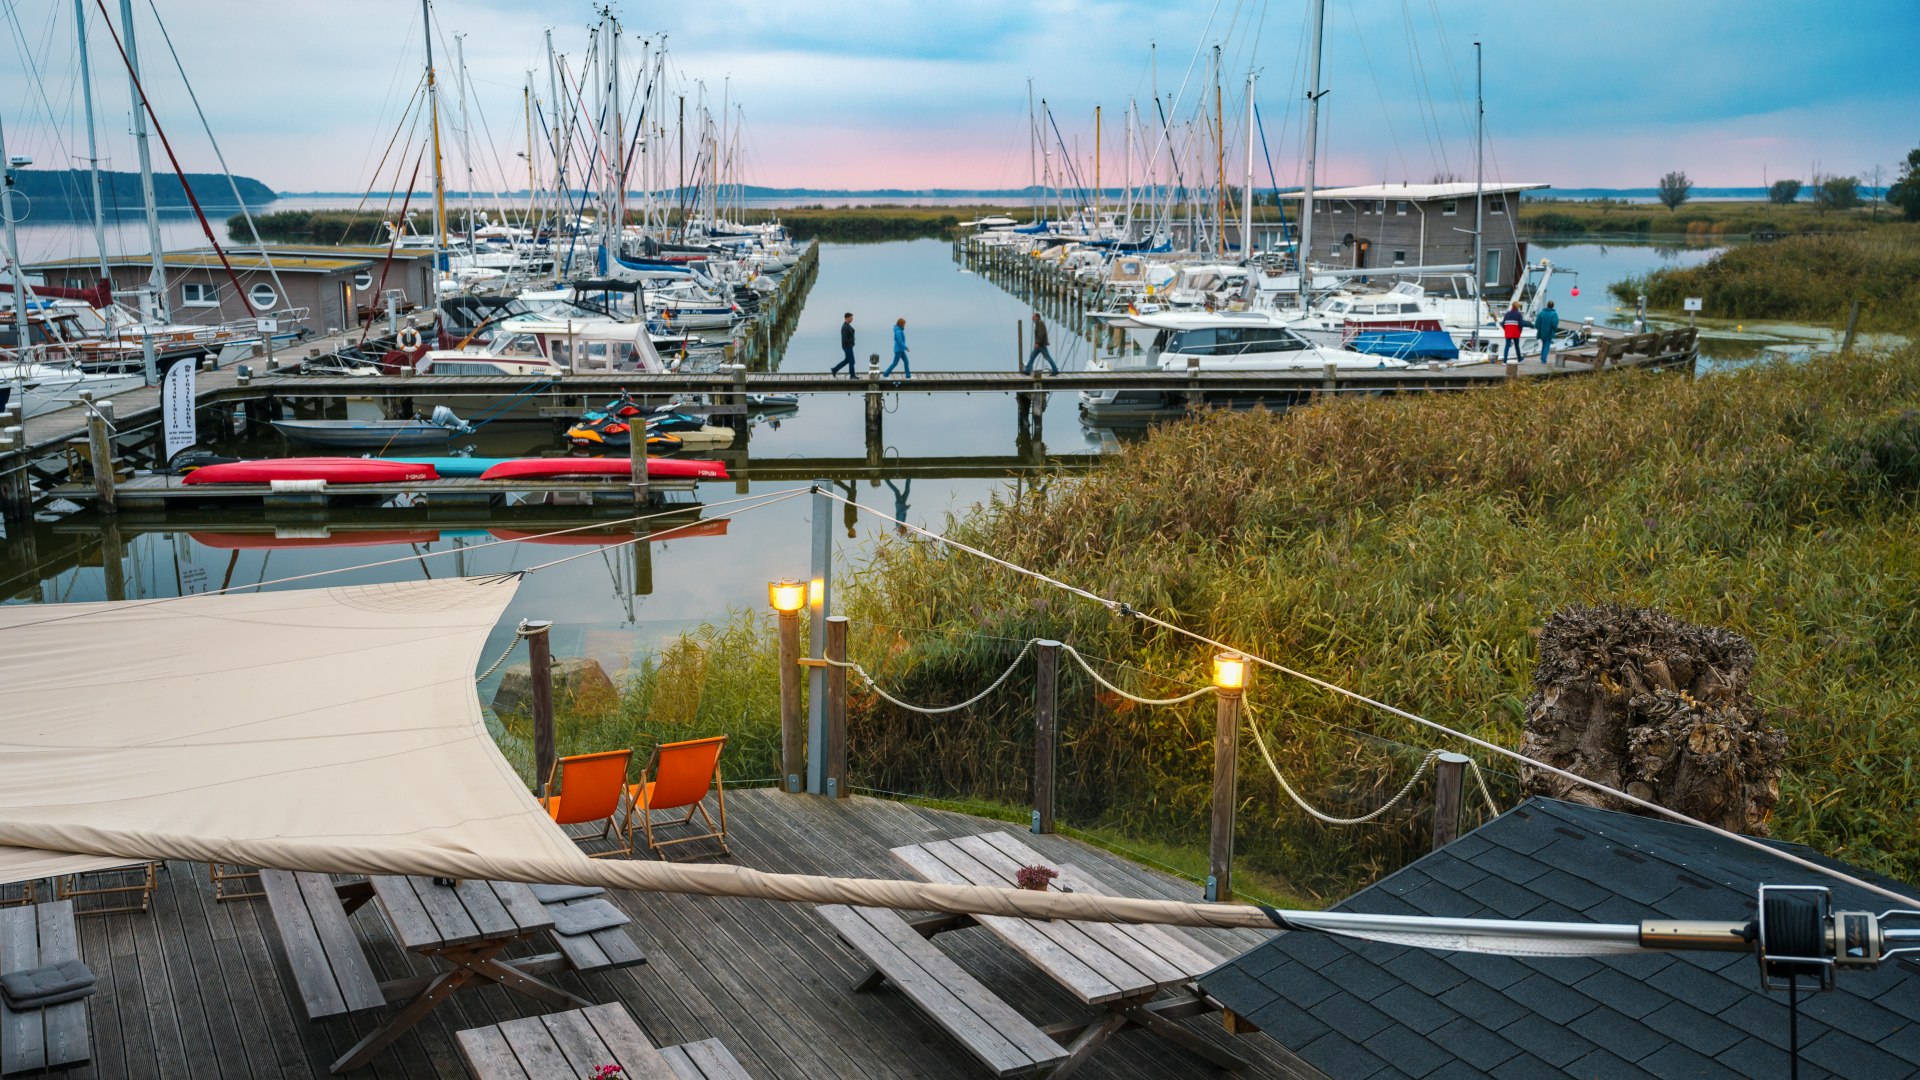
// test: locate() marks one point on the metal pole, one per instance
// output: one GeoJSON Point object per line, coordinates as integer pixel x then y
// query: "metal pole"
{"type": "Point", "coordinates": [1246, 197]}
{"type": "Point", "coordinates": [1305, 250]}
{"type": "Point", "coordinates": [793, 747]}
{"type": "Point", "coordinates": [157, 281]}
{"type": "Point", "coordinates": [836, 763]}
{"type": "Point", "coordinates": [1449, 777]}
{"type": "Point", "coordinates": [93, 150]}
{"type": "Point", "coordinates": [1226, 752]}
{"type": "Point", "coordinates": [1479, 201]}
{"type": "Point", "coordinates": [22, 338]}
{"type": "Point", "coordinates": [819, 602]}
{"type": "Point", "coordinates": [540, 670]}
{"type": "Point", "coordinates": [1046, 724]}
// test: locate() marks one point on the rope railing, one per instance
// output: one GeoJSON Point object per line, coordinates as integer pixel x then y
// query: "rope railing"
{"type": "Point", "coordinates": [933, 710]}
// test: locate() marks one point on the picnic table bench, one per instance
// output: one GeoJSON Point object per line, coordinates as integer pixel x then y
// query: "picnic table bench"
{"type": "Point", "coordinates": [598, 950]}
{"type": "Point", "coordinates": [578, 1041]}
{"type": "Point", "coordinates": [329, 967]}
{"type": "Point", "coordinates": [1123, 969]}
{"type": "Point", "coordinates": [57, 1036]}
{"type": "Point", "coordinates": [989, 1028]}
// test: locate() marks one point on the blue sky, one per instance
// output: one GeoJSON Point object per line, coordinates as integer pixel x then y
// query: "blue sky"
{"type": "Point", "coordinates": [305, 96]}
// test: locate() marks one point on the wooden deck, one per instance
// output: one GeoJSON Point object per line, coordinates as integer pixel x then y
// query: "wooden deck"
{"type": "Point", "coordinates": [198, 989]}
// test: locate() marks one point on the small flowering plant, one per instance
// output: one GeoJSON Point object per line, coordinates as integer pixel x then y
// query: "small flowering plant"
{"type": "Point", "coordinates": [1036, 878]}
{"type": "Point", "coordinates": [605, 1072]}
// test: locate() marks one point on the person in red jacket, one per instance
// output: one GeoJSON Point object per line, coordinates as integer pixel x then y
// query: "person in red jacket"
{"type": "Point", "coordinates": [1510, 326]}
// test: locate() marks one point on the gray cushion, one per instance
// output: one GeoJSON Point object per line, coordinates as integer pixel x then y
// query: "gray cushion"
{"type": "Point", "coordinates": [33, 987]}
{"type": "Point", "coordinates": [554, 894]}
{"type": "Point", "coordinates": [51, 999]}
{"type": "Point", "coordinates": [586, 916]}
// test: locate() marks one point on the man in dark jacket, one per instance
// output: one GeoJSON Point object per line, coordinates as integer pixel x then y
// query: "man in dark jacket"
{"type": "Point", "coordinates": [1545, 325]}
{"type": "Point", "coordinates": [1039, 347]}
{"type": "Point", "coordinates": [846, 347]}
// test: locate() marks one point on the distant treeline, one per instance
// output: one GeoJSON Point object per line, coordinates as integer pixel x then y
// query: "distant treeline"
{"type": "Point", "coordinates": [68, 193]}
{"type": "Point", "coordinates": [320, 226]}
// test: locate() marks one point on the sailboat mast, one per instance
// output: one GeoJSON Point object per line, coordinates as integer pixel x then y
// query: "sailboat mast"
{"type": "Point", "coordinates": [617, 152]}
{"type": "Point", "coordinates": [1220, 162]}
{"type": "Point", "coordinates": [157, 280]}
{"type": "Point", "coordinates": [1305, 250]}
{"type": "Point", "coordinates": [93, 152]}
{"type": "Point", "coordinates": [466, 129]}
{"type": "Point", "coordinates": [1246, 193]}
{"type": "Point", "coordinates": [1479, 187]}
{"type": "Point", "coordinates": [21, 339]}
{"type": "Point", "coordinates": [433, 109]}
{"type": "Point", "coordinates": [1096, 171]}
{"type": "Point", "coordinates": [1126, 170]}
{"type": "Point", "coordinates": [1033, 156]}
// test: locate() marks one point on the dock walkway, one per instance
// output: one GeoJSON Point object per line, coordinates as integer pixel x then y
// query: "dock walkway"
{"type": "Point", "coordinates": [197, 988]}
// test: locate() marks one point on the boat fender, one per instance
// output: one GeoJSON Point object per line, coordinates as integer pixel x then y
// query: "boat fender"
{"type": "Point", "coordinates": [409, 338]}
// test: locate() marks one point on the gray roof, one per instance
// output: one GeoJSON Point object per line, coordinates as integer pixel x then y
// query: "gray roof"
{"type": "Point", "coordinates": [1366, 1011]}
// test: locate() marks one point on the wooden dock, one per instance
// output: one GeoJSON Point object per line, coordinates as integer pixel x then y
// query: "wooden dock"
{"type": "Point", "coordinates": [196, 988]}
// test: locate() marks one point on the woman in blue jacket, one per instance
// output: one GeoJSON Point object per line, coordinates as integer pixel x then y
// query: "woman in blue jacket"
{"type": "Point", "coordinates": [899, 350]}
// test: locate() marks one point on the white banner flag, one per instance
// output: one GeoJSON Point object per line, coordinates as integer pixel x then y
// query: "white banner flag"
{"type": "Point", "coordinates": [176, 404]}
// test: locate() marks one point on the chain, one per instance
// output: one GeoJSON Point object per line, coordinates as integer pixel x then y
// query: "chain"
{"type": "Point", "coordinates": [1319, 815]}
{"type": "Point", "coordinates": [933, 711]}
{"type": "Point", "coordinates": [1082, 661]}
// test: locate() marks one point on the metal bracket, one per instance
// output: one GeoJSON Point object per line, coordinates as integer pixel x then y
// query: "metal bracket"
{"type": "Point", "coordinates": [1034, 825]}
{"type": "Point", "coordinates": [793, 783]}
{"type": "Point", "coordinates": [1213, 889]}
{"type": "Point", "coordinates": [833, 787]}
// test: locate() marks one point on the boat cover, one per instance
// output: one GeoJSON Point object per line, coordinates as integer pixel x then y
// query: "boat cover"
{"type": "Point", "coordinates": [1406, 344]}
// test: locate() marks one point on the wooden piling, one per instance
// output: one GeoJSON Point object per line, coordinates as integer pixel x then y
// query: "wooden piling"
{"type": "Point", "coordinates": [836, 763]}
{"type": "Point", "coordinates": [540, 670]}
{"type": "Point", "coordinates": [1449, 779]}
{"type": "Point", "coordinates": [1046, 680]}
{"type": "Point", "coordinates": [1226, 757]}
{"type": "Point", "coordinates": [793, 737]}
{"type": "Point", "coordinates": [100, 453]}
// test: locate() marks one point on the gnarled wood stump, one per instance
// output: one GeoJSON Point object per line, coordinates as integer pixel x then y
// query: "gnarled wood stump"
{"type": "Point", "coordinates": [1656, 707]}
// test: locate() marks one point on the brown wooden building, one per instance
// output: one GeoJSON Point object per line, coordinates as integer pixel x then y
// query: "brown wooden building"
{"type": "Point", "coordinates": [323, 288]}
{"type": "Point", "coordinates": [1388, 225]}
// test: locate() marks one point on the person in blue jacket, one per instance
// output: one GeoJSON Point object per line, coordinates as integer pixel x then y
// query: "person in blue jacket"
{"type": "Point", "coordinates": [1545, 325]}
{"type": "Point", "coordinates": [899, 350]}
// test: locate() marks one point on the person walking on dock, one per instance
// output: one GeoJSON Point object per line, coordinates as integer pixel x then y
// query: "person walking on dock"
{"type": "Point", "coordinates": [846, 347]}
{"type": "Point", "coordinates": [1039, 347]}
{"type": "Point", "coordinates": [1510, 326]}
{"type": "Point", "coordinates": [1545, 325]}
{"type": "Point", "coordinates": [899, 350]}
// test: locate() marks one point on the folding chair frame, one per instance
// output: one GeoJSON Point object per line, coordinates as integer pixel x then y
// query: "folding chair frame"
{"type": "Point", "coordinates": [716, 830]}
{"type": "Point", "coordinates": [222, 873]}
{"type": "Point", "coordinates": [624, 841]}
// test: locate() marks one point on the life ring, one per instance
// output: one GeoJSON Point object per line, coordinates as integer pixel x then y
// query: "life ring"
{"type": "Point", "coordinates": [408, 339]}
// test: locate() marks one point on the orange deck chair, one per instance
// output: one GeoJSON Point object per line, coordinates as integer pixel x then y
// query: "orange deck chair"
{"type": "Point", "coordinates": [591, 786]}
{"type": "Point", "coordinates": [679, 775]}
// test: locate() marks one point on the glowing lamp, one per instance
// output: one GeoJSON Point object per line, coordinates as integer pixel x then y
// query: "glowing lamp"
{"type": "Point", "coordinates": [787, 595]}
{"type": "Point", "coordinates": [1230, 671]}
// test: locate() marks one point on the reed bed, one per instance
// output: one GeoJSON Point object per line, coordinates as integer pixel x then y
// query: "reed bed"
{"type": "Point", "coordinates": [1810, 279]}
{"type": "Point", "coordinates": [1702, 220]}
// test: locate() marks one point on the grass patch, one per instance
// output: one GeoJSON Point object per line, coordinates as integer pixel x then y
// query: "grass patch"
{"type": "Point", "coordinates": [1809, 279]}
{"type": "Point", "coordinates": [1702, 220]}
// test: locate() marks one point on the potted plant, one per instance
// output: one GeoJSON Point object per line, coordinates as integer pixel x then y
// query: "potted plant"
{"type": "Point", "coordinates": [1036, 878]}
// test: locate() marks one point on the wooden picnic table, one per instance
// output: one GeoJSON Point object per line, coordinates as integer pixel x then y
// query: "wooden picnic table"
{"type": "Point", "coordinates": [466, 927]}
{"type": "Point", "coordinates": [1121, 968]}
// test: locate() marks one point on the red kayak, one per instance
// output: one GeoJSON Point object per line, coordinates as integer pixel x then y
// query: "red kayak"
{"type": "Point", "coordinates": [334, 470]}
{"type": "Point", "coordinates": [557, 468]}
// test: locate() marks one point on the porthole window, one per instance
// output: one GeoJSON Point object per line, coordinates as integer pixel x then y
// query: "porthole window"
{"type": "Point", "coordinates": [363, 280]}
{"type": "Point", "coordinates": [262, 296]}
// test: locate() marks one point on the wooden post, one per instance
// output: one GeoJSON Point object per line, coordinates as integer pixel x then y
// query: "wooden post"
{"type": "Point", "coordinates": [540, 668]}
{"type": "Point", "coordinates": [1226, 756]}
{"type": "Point", "coordinates": [100, 450]}
{"type": "Point", "coordinates": [1853, 323]}
{"type": "Point", "coordinates": [638, 480]}
{"type": "Point", "coordinates": [113, 559]}
{"type": "Point", "coordinates": [793, 738]}
{"type": "Point", "coordinates": [1019, 344]}
{"type": "Point", "coordinates": [876, 434]}
{"type": "Point", "coordinates": [836, 763]}
{"type": "Point", "coordinates": [1046, 685]}
{"type": "Point", "coordinates": [16, 485]}
{"type": "Point", "coordinates": [1449, 776]}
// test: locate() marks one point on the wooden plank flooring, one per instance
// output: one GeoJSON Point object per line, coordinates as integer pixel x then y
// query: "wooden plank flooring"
{"type": "Point", "coordinates": [196, 988]}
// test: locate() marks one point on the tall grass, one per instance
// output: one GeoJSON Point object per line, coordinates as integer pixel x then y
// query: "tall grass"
{"type": "Point", "coordinates": [1408, 549]}
{"type": "Point", "coordinates": [1703, 220]}
{"type": "Point", "coordinates": [1801, 279]}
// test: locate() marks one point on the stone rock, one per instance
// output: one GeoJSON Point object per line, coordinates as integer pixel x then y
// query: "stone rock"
{"type": "Point", "coordinates": [575, 680]}
{"type": "Point", "coordinates": [1656, 707]}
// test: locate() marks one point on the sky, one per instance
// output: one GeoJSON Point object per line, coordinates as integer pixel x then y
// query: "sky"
{"type": "Point", "coordinates": [1579, 93]}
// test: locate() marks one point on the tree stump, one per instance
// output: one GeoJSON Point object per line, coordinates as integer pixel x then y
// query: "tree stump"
{"type": "Point", "coordinates": [1656, 707]}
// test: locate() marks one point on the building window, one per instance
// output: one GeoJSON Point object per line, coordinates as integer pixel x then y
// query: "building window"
{"type": "Point", "coordinates": [262, 296]}
{"type": "Point", "coordinates": [1493, 267]}
{"type": "Point", "coordinates": [1496, 205]}
{"type": "Point", "coordinates": [1400, 257]}
{"type": "Point", "coordinates": [196, 294]}
{"type": "Point", "coordinates": [1336, 208]}
{"type": "Point", "coordinates": [363, 280]}
{"type": "Point", "coordinates": [1400, 207]}
{"type": "Point", "coordinates": [1450, 207]}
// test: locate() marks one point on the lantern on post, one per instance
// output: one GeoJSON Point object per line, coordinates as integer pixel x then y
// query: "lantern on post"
{"type": "Point", "coordinates": [1230, 684]}
{"type": "Point", "coordinates": [787, 597]}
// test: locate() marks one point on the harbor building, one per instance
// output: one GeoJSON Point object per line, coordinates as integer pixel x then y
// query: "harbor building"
{"type": "Point", "coordinates": [1388, 225]}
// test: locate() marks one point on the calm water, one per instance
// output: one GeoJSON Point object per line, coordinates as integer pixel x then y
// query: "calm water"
{"type": "Point", "coordinates": [955, 320]}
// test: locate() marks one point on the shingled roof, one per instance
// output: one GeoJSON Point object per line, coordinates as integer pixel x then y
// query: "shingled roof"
{"type": "Point", "coordinates": [1361, 1010]}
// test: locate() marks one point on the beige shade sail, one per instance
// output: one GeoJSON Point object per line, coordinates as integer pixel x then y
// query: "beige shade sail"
{"type": "Point", "coordinates": [334, 730]}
